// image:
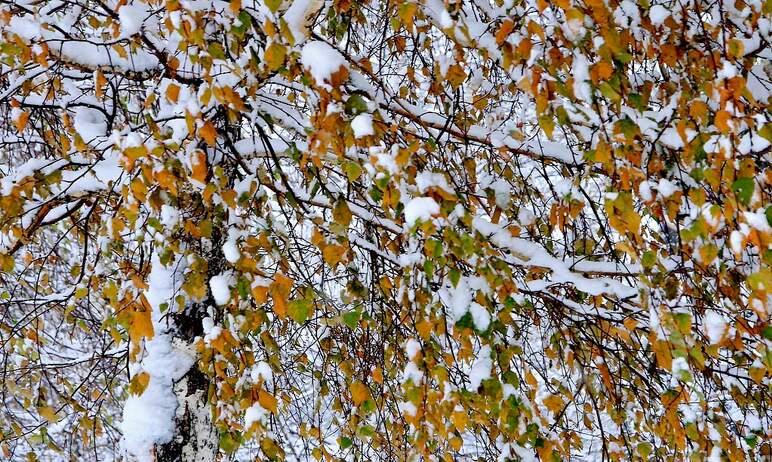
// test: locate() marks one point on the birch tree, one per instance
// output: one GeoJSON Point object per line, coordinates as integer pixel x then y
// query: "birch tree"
{"type": "Point", "coordinates": [508, 230]}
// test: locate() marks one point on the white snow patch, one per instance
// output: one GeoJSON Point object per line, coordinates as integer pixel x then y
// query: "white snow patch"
{"type": "Point", "coordinates": [262, 371]}
{"type": "Point", "coordinates": [412, 373]}
{"type": "Point", "coordinates": [426, 180]}
{"type": "Point", "coordinates": [420, 208]}
{"type": "Point", "coordinates": [408, 408]}
{"type": "Point", "coordinates": [481, 370]}
{"type": "Point", "coordinates": [89, 123]}
{"type": "Point", "coordinates": [322, 61]}
{"type": "Point", "coordinates": [255, 413]}
{"type": "Point", "coordinates": [221, 288]}
{"type": "Point", "coordinates": [666, 187]}
{"type": "Point", "coordinates": [480, 316]}
{"type": "Point", "coordinates": [581, 74]}
{"type": "Point", "coordinates": [131, 18]}
{"type": "Point", "coordinates": [231, 251]}
{"type": "Point", "coordinates": [412, 347]}
{"type": "Point", "coordinates": [658, 14]}
{"type": "Point", "coordinates": [170, 216]}
{"type": "Point", "coordinates": [363, 126]}
{"type": "Point", "coordinates": [715, 326]}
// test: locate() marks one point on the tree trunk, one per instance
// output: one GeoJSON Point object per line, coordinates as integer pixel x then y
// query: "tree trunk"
{"type": "Point", "coordinates": [195, 438]}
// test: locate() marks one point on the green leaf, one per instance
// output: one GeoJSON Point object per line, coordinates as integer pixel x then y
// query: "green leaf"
{"type": "Point", "coordinates": [455, 276]}
{"type": "Point", "coordinates": [216, 50]}
{"type": "Point", "coordinates": [355, 105]}
{"type": "Point", "coordinates": [243, 288]}
{"type": "Point", "coordinates": [466, 321]}
{"type": "Point", "coordinates": [299, 310]}
{"type": "Point", "coordinates": [743, 188]}
{"type": "Point", "coordinates": [273, 5]}
{"type": "Point", "coordinates": [229, 442]}
{"type": "Point", "coordinates": [345, 442]}
{"type": "Point", "coordinates": [766, 332]}
{"type": "Point", "coordinates": [352, 170]}
{"type": "Point", "coordinates": [242, 24]}
{"type": "Point", "coordinates": [649, 259]}
{"type": "Point", "coordinates": [351, 318]}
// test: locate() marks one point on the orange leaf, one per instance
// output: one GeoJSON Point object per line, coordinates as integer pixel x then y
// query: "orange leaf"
{"type": "Point", "coordinates": [280, 290]}
{"type": "Point", "coordinates": [504, 31]}
{"type": "Point", "coordinates": [722, 121]}
{"type": "Point", "coordinates": [99, 84]}
{"type": "Point", "coordinates": [172, 92]}
{"type": "Point", "coordinates": [199, 166]}
{"type": "Point", "coordinates": [267, 401]}
{"type": "Point", "coordinates": [359, 393]}
{"type": "Point", "coordinates": [20, 121]}
{"type": "Point", "coordinates": [208, 133]}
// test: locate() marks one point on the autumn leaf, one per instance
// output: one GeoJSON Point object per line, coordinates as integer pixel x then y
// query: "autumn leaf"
{"type": "Point", "coordinates": [172, 92]}
{"type": "Point", "coordinates": [268, 401]}
{"type": "Point", "coordinates": [139, 383]}
{"type": "Point", "coordinates": [20, 120]}
{"type": "Point", "coordinates": [279, 290]}
{"type": "Point", "coordinates": [341, 213]}
{"type": "Point", "coordinates": [209, 133]}
{"type": "Point", "coordinates": [48, 413]}
{"type": "Point", "coordinates": [275, 55]}
{"type": "Point", "coordinates": [199, 166]}
{"type": "Point", "coordinates": [359, 393]}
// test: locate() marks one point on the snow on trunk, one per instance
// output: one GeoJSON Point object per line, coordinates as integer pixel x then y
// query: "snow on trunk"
{"type": "Point", "coordinates": [171, 420]}
{"type": "Point", "coordinates": [195, 437]}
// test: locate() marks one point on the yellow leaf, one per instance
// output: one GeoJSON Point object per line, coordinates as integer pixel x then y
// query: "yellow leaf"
{"type": "Point", "coordinates": [135, 152]}
{"type": "Point", "coordinates": [120, 50]}
{"type": "Point", "coordinates": [425, 329]}
{"type": "Point", "coordinates": [267, 401]}
{"type": "Point", "coordinates": [359, 393]}
{"type": "Point", "coordinates": [341, 213]}
{"type": "Point", "coordinates": [622, 214]}
{"type": "Point", "coordinates": [460, 420]}
{"type": "Point", "coordinates": [48, 413]}
{"type": "Point", "coordinates": [456, 75]}
{"type": "Point", "coordinates": [208, 133]}
{"type": "Point", "coordinates": [407, 13]}
{"type": "Point", "coordinates": [139, 383]}
{"type": "Point", "coordinates": [333, 254]}
{"type": "Point", "coordinates": [235, 6]}
{"type": "Point", "coordinates": [275, 55]}
{"type": "Point", "coordinates": [140, 324]}
{"type": "Point", "coordinates": [663, 354]}
{"type": "Point", "coordinates": [554, 403]}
